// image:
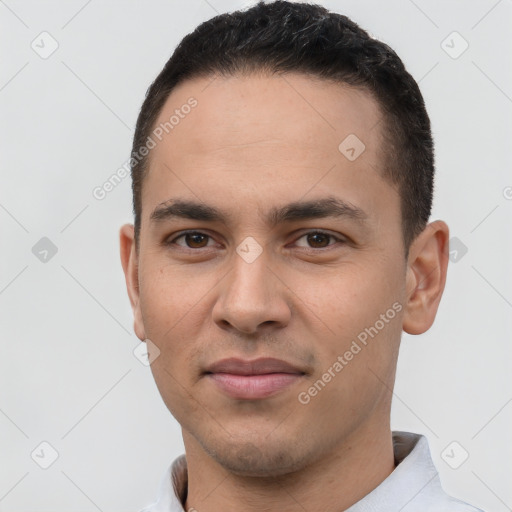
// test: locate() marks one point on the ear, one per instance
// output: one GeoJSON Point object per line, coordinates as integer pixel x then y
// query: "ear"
{"type": "Point", "coordinates": [427, 265]}
{"type": "Point", "coordinates": [129, 260]}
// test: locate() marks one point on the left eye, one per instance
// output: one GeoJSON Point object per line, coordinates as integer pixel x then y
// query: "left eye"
{"type": "Point", "coordinates": [318, 239]}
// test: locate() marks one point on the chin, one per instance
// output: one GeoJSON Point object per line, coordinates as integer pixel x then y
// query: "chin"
{"type": "Point", "coordinates": [257, 459]}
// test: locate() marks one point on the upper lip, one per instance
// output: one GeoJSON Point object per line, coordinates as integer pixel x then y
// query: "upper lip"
{"type": "Point", "coordinates": [259, 366]}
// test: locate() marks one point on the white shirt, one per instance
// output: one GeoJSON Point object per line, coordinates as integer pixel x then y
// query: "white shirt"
{"type": "Point", "coordinates": [413, 486]}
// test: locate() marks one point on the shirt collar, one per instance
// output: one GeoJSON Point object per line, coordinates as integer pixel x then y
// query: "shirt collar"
{"type": "Point", "coordinates": [413, 485]}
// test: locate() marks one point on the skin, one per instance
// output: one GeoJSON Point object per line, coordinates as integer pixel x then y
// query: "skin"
{"type": "Point", "coordinates": [254, 143]}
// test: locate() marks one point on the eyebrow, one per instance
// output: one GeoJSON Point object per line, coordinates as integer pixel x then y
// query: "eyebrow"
{"type": "Point", "coordinates": [299, 210]}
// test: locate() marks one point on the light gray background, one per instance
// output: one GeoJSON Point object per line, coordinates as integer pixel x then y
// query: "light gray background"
{"type": "Point", "coordinates": [67, 372]}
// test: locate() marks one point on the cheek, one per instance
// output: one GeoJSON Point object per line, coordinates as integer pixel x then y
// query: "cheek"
{"type": "Point", "coordinates": [175, 303]}
{"type": "Point", "coordinates": [355, 303]}
{"type": "Point", "coordinates": [175, 390]}
{"type": "Point", "coordinates": [168, 296]}
{"type": "Point", "coordinates": [356, 348]}
{"type": "Point", "coordinates": [168, 315]}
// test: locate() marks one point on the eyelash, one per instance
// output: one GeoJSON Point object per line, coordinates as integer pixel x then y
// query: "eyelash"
{"type": "Point", "coordinates": [312, 232]}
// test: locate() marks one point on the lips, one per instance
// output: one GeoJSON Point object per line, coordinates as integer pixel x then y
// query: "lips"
{"type": "Point", "coordinates": [252, 380]}
{"type": "Point", "coordinates": [260, 366]}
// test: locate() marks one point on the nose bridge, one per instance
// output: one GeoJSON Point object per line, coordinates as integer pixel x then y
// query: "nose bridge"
{"type": "Point", "coordinates": [251, 293]}
{"type": "Point", "coordinates": [250, 277]}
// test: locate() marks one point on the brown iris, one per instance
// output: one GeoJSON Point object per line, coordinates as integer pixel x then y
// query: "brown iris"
{"type": "Point", "coordinates": [313, 239]}
{"type": "Point", "coordinates": [195, 240]}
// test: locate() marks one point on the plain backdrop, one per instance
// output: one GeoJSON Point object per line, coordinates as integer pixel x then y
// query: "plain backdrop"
{"type": "Point", "coordinates": [68, 374]}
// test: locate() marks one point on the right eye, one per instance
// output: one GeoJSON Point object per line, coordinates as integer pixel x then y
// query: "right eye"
{"type": "Point", "coordinates": [193, 240]}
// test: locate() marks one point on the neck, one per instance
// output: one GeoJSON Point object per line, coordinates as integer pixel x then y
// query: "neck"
{"type": "Point", "coordinates": [331, 483]}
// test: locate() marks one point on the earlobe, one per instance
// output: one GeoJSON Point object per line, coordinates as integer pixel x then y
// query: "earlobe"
{"type": "Point", "coordinates": [130, 263]}
{"type": "Point", "coordinates": [426, 277]}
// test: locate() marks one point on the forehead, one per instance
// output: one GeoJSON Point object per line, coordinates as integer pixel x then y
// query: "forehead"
{"type": "Point", "coordinates": [265, 137]}
{"type": "Point", "coordinates": [243, 110]}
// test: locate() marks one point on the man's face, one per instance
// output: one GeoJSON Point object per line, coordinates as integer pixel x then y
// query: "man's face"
{"type": "Point", "coordinates": [254, 286]}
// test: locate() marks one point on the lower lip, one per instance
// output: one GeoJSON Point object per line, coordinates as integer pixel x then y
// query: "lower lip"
{"type": "Point", "coordinates": [253, 387]}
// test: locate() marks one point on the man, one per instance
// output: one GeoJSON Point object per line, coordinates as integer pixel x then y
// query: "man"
{"type": "Point", "coordinates": [282, 173]}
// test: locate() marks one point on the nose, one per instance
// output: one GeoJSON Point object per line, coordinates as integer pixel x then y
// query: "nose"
{"type": "Point", "coordinates": [252, 298]}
